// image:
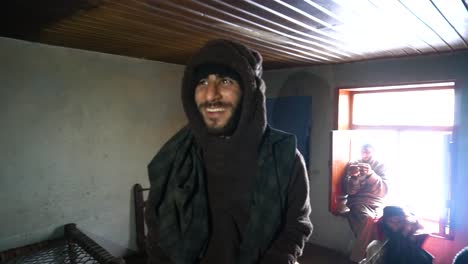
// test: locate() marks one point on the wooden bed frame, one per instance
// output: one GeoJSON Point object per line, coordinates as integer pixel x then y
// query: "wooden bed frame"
{"type": "Point", "coordinates": [74, 247]}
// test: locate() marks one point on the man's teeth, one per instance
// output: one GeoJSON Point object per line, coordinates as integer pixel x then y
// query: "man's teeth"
{"type": "Point", "coordinates": [214, 109]}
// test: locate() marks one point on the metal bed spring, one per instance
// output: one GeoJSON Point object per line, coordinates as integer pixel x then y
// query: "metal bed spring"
{"type": "Point", "coordinates": [74, 248]}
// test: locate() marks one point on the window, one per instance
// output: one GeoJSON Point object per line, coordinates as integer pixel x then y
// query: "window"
{"type": "Point", "coordinates": [427, 108]}
{"type": "Point", "coordinates": [411, 127]}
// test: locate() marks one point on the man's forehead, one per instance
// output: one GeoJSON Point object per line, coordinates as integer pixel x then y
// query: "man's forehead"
{"type": "Point", "coordinates": [204, 70]}
{"type": "Point", "coordinates": [217, 75]}
{"type": "Point", "coordinates": [367, 149]}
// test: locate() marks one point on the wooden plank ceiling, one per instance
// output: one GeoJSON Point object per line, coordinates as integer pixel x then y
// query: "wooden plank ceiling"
{"type": "Point", "coordinates": [288, 33]}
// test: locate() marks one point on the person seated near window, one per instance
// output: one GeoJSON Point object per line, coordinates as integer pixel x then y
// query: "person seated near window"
{"type": "Point", "coordinates": [365, 184]}
{"type": "Point", "coordinates": [404, 235]}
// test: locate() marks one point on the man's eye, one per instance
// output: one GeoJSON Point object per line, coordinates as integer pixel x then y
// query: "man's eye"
{"type": "Point", "coordinates": [203, 82]}
{"type": "Point", "coordinates": [226, 81]}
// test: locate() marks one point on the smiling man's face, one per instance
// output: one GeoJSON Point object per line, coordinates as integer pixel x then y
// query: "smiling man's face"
{"type": "Point", "coordinates": [217, 98]}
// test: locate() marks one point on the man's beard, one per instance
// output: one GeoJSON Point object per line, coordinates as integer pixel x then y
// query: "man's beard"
{"type": "Point", "coordinates": [231, 125]}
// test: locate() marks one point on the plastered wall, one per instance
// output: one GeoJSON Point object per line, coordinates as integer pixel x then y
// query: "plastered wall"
{"type": "Point", "coordinates": [78, 129]}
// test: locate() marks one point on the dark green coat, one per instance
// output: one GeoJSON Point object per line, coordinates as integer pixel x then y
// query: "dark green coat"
{"type": "Point", "coordinates": [179, 202]}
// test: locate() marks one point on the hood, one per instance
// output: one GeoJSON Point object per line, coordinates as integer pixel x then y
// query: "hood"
{"type": "Point", "coordinates": [247, 63]}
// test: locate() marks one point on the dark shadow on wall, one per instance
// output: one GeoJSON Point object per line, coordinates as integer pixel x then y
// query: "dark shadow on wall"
{"type": "Point", "coordinates": [304, 84]}
{"type": "Point", "coordinates": [312, 94]}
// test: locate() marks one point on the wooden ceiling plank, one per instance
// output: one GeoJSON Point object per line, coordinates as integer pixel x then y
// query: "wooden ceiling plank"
{"type": "Point", "coordinates": [325, 7]}
{"type": "Point", "coordinates": [359, 30]}
{"type": "Point", "coordinates": [330, 42]}
{"type": "Point", "coordinates": [89, 32]}
{"type": "Point", "coordinates": [153, 20]}
{"type": "Point", "coordinates": [254, 43]}
{"type": "Point", "coordinates": [97, 28]}
{"type": "Point", "coordinates": [191, 24]}
{"type": "Point", "coordinates": [130, 27]}
{"type": "Point", "coordinates": [369, 23]}
{"type": "Point", "coordinates": [142, 52]}
{"type": "Point", "coordinates": [204, 29]}
{"type": "Point", "coordinates": [84, 35]}
{"type": "Point", "coordinates": [267, 7]}
{"type": "Point", "coordinates": [231, 26]}
{"type": "Point", "coordinates": [307, 15]}
{"type": "Point", "coordinates": [292, 43]}
{"type": "Point", "coordinates": [430, 16]}
{"type": "Point", "coordinates": [206, 26]}
{"type": "Point", "coordinates": [101, 21]}
{"type": "Point", "coordinates": [211, 25]}
{"type": "Point", "coordinates": [216, 19]}
{"type": "Point", "coordinates": [286, 32]}
{"type": "Point", "coordinates": [347, 53]}
{"type": "Point", "coordinates": [93, 43]}
{"type": "Point", "coordinates": [105, 24]}
{"type": "Point", "coordinates": [119, 20]}
{"type": "Point", "coordinates": [455, 15]}
{"type": "Point", "coordinates": [409, 24]}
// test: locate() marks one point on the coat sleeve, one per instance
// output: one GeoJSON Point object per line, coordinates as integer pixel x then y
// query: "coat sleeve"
{"type": "Point", "coordinates": [289, 243]}
{"type": "Point", "coordinates": [154, 253]}
{"type": "Point", "coordinates": [376, 183]}
{"type": "Point", "coordinates": [378, 180]}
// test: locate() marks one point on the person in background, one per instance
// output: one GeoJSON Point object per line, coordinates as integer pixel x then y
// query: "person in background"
{"type": "Point", "coordinates": [365, 185]}
{"type": "Point", "coordinates": [227, 188]}
{"type": "Point", "coordinates": [404, 237]}
{"type": "Point", "coordinates": [461, 257]}
{"type": "Point", "coordinates": [399, 239]}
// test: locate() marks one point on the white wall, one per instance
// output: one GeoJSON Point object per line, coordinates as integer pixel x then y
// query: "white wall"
{"type": "Point", "coordinates": [321, 81]}
{"type": "Point", "coordinates": [78, 129]}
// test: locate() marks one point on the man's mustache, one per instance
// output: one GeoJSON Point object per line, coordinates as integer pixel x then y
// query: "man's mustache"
{"type": "Point", "coordinates": [215, 104]}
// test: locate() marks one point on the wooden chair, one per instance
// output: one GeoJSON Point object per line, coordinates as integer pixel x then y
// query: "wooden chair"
{"type": "Point", "coordinates": [139, 203]}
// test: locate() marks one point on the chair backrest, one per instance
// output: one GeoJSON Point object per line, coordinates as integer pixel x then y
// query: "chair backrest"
{"type": "Point", "coordinates": [140, 203]}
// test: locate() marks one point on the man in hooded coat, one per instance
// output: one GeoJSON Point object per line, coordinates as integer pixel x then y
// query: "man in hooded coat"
{"type": "Point", "coordinates": [227, 188]}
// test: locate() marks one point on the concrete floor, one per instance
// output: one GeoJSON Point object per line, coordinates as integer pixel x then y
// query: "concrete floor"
{"type": "Point", "coordinates": [314, 254]}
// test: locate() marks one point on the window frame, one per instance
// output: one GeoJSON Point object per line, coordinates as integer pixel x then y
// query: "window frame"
{"type": "Point", "coordinates": [445, 222]}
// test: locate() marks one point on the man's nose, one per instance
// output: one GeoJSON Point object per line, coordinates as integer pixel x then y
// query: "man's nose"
{"type": "Point", "coordinates": [212, 91]}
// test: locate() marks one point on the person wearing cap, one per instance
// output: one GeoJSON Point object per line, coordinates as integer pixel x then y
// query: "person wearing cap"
{"type": "Point", "coordinates": [365, 185]}
{"type": "Point", "coordinates": [404, 237]}
{"type": "Point", "coordinates": [461, 257]}
{"type": "Point", "coordinates": [399, 239]}
{"type": "Point", "coordinates": [227, 188]}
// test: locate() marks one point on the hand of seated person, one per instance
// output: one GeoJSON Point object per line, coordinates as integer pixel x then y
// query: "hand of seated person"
{"type": "Point", "coordinates": [365, 169]}
{"type": "Point", "coordinates": [353, 170]}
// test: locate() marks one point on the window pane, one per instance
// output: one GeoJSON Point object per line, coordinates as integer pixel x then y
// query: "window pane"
{"type": "Point", "coordinates": [406, 108]}
{"type": "Point", "coordinates": [421, 180]}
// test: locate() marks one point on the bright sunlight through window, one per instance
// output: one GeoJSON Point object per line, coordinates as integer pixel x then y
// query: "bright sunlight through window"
{"type": "Point", "coordinates": [411, 130]}
{"type": "Point", "coordinates": [410, 108]}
